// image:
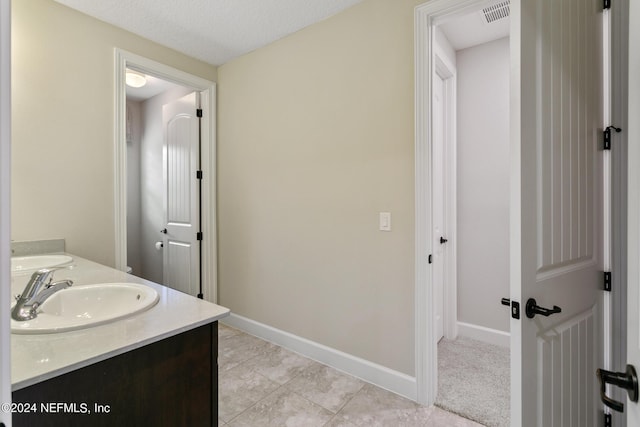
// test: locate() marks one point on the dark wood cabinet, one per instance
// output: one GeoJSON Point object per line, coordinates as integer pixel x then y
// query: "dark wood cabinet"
{"type": "Point", "coordinates": [172, 382]}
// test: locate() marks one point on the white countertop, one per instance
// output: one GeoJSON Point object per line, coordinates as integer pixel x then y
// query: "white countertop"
{"type": "Point", "coordinates": [35, 358]}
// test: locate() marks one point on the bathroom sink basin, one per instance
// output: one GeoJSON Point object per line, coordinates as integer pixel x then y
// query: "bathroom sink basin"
{"type": "Point", "coordinates": [86, 306]}
{"type": "Point", "coordinates": [36, 262]}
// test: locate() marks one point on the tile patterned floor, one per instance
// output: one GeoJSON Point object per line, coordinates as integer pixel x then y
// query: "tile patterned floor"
{"type": "Point", "coordinates": [263, 385]}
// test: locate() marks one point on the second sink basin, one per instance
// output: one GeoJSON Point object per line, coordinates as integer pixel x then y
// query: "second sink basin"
{"type": "Point", "coordinates": [86, 306]}
{"type": "Point", "coordinates": [36, 262]}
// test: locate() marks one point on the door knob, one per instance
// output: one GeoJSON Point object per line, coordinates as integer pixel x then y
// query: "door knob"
{"type": "Point", "coordinates": [443, 240]}
{"type": "Point", "coordinates": [532, 308]}
{"type": "Point", "coordinates": [627, 380]}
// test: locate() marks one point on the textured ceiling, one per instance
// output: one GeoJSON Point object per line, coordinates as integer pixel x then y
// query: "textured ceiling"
{"type": "Point", "coordinates": [213, 31]}
{"type": "Point", "coordinates": [471, 29]}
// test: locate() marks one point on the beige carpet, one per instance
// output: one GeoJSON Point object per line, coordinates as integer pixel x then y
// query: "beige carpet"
{"type": "Point", "coordinates": [473, 381]}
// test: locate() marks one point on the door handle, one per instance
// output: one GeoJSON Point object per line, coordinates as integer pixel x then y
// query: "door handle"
{"type": "Point", "coordinates": [532, 308]}
{"type": "Point", "coordinates": [627, 380]}
{"type": "Point", "coordinates": [443, 240]}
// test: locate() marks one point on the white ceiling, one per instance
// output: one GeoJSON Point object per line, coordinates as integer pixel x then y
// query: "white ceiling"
{"type": "Point", "coordinates": [471, 30]}
{"type": "Point", "coordinates": [154, 86]}
{"type": "Point", "coordinates": [214, 31]}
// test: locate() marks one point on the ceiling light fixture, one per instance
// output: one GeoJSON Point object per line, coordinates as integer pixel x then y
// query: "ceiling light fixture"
{"type": "Point", "coordinates": [135, 79]}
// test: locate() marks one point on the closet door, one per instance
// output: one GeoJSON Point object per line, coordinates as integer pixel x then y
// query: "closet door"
{"type": "Point", "coordinates": [181, 257]}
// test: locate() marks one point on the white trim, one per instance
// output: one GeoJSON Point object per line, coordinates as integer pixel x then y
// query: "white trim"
{"type": "Point", "coordinates": [5, 205]}
{"type": "Point", "coordinates": [426, 354]}
{"type": "Point", "coordinates": [425, 347]}
{"type": "Point", "coordinates": [515, 207]}
{"type": "Point", "coordinates": [607, 201]}
{"type": "Point", "coordinates": [373, 373]}
{"type": "Point", "coordinates": [124, 59]}
{"type": "Point", "coordinates": [481, 333]}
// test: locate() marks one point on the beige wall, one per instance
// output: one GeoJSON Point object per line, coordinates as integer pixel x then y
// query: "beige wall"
{"type": "Point", "coordinates": [63, 108]}
{"type": "Point", "coordinates": [315, 139]}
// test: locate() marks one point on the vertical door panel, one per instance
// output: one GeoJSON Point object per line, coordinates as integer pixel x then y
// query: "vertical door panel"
{"type": "Point", "coordinates": [559, 197]}
{"type": "Point", "coordinates": [181, 259]}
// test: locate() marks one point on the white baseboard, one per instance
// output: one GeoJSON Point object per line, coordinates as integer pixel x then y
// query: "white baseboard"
{"type": "Point", "coordinates": [373, 373]}
{"type": "Point", "coordinates": [488, 335]}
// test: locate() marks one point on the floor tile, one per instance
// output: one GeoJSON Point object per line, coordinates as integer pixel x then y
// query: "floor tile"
{"type": "Point", "coordinates": [373, 406]}
{"type": "Point", "coordinates": [225, 331]}
{"type": "Point", "coordinates": [239, 388]}
{"type": "Point", "coordinates": [251, 392]}
{"type": "Point", "coordinates": [325, 386]}
{"type": "Point", "coordinates": [283, 408]}
{"type": "Point", "coordinates": [239, 348]}
{"type": "Point", "coordinates": [441, 418]}
{"type": "Point", "coordinates": [279, 365]}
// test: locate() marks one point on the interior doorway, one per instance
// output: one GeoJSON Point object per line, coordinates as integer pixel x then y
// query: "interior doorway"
{"type": "Point", "coordinates": [165, 176]}
{"type": "Point", "coordinates": [470, 172]}
{"type": "Point", "coordinates": [163, 191]}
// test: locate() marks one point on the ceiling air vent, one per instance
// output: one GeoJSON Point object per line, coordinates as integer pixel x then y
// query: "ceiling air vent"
{"type": "Point", "coordinates": [496, 11]}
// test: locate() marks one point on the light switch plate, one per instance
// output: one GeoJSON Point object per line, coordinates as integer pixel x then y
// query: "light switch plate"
{"type": "Point", "coordinates": [385, 221]}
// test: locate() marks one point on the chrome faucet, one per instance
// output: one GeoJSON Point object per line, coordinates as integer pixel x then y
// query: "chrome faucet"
{"type": "Point", "coordinates": [39, 288]}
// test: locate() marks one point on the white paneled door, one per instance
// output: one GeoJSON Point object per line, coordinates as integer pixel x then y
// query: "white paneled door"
{"type": "Point", "coordinates": [557, 211]}
{"type": "Point", "coordinates": [181, 259]}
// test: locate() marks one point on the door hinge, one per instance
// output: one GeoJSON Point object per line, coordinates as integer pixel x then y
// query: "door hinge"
{"type": "Point", "coordinates": [606, 4]}
{"type": "Point", "coordinates": [198, 174]}
{"type": "Point", "coordinates": [199, 235]}
{"type": "Point", "coordinates": [607, 420]}
{"type": "Point", "coordinates": [607, 136]}
{"type": "Point", "coordinates": [430, 258]}
{"type": "Point", "coordinates": [607, 281]}
{"type": "Point", "coordinates": [199, 112]}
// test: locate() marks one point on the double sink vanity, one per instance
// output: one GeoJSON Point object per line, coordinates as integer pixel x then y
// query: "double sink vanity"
{"type": "Point", "coordinates": [91, 345]}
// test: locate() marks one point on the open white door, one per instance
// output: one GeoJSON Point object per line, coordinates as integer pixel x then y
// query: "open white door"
{"type": "Point", "coordinates": [438, 205]}
{"type": "Point", "coordinates": [181, 258]}
{"type": "Point", "coordinates": [633, 273]}
{"type": "Point", "coordinates": [556, 211]}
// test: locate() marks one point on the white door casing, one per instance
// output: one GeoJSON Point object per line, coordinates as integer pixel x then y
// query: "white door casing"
{"type": "Point", "coordinates": [427, 17]}
{"type": "Point", "coordinates": [633, 273]}
{"type": "Point", "coordinates": [181, 152]}
{"type": "Point", "coordinates": [556, 210]}
{"type": "Point", "coordinates": [124, 59]}
{"type": "Point", "coordinates": [5, 205]}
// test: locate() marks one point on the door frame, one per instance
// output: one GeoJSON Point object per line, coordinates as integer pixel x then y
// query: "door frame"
{"type": "Point", "coordinates": [447, 72]}
{"type": "Point", "coordinates": [427, 16]}
{"type": "Point", "coordinates": [123, 60]}
{"type": "Point", "coordinates": [5, 205]}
